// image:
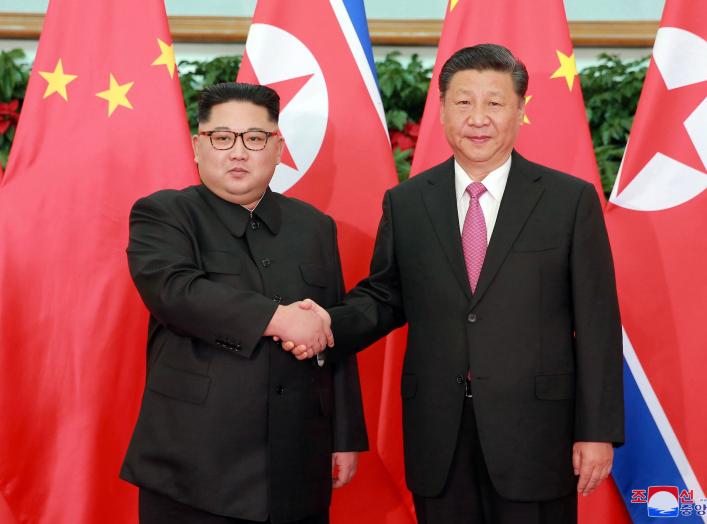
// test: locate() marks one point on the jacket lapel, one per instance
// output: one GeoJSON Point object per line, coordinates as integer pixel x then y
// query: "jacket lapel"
{"type": "Point", "coordinates": [440, 201]}
{"type": "Point", "coordinates": [519, 199]}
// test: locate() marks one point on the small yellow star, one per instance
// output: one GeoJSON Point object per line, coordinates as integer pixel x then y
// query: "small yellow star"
{"type": "Point", "coordinates": [57, 81]}
{"type": "Point", "coordinates": [166, 57]}
{"type": "Point", "coordinates": [526, 120]}
{"type": "Point", "coordinates": [116, 95]}
{"type": "Point", "coordinates": [453, 4]}
{"type": "Point", "coordinates": [567, 69]}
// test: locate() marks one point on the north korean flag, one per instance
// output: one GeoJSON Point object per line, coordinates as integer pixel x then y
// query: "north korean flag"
{"type": "Point", "coordinates": [317, 56]}
{"type": "Point", "coordinates": [657, 221]}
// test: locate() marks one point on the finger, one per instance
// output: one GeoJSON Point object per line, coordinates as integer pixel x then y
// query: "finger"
{"type": "Point", "coordinates": [276, 338]}
{"type": "Point", "coordinates": [347, 475]}
{"type": "Point", "coordinates": [594, 481]}
{"type": "Point", "coordinates": [585, 475]}
{"type": "Point", "coordinates": [299, 351]}
{"type": "Point", "coordinates": [576, 460]}
{"type": "Point", "coordinates": [329, 338]}
{"type": "Point", "coordinates": [288, 346]}
{"type": "Point", "coordinates": [307, 303]}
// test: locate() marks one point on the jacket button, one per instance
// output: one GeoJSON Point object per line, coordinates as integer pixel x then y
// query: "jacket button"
{"type": "Point", "coordinates": [254, 225]}
{"type": "Point", "coordinates": [277, 299]}
{"type": "Point", "coordinates": [266, 262]}
{"type": "Point", "coordinates": [460, 379]}
{"type": "Point", "coordinates": [471, 318]}
{"type": "Point", "coordinates": [280, 390]}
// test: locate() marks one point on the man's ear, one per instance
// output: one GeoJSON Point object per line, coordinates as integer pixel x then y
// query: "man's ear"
{"type": "Point", "coordinates": [280, 145]}
{"type": "Point", "coordinates": [521, 108]}
{"type": "Point", "coordinates": [195, 148]}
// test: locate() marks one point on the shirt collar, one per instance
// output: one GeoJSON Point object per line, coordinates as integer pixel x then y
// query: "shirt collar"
{"type": "Point", "coordinates": [495, 181]}
{"type": "Point", "coordinates": [236, 217]}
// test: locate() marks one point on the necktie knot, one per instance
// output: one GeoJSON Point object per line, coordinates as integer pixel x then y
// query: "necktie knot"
{"type": "Point", "coordinates": [476, 189]}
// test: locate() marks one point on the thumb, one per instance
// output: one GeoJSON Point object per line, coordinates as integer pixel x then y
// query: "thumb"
{"type": "Point", "coordinates": [307, 303]}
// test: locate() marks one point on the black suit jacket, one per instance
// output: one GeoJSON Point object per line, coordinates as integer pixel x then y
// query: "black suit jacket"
{"type": "Point", "coordinates": [541, 334]}
{"type": "Point", "coordinates": [230, 423]}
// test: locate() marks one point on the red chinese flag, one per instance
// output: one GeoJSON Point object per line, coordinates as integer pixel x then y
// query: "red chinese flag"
{"type": "Point", "coordinates": [103, 123]}
{"type": "Point", "coordinates": [657, 221]}
{"type": "Point", "coordinates": [555, 131]}
{"type": "Point", "coordinates": [338, 158]}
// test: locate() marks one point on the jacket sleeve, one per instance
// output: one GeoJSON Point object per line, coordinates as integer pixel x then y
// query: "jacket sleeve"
{"type": "Point", "coordinates": [599, 411]}
{"type": "Point", "coordinates": [179, 294]}
{"type": "Point", "coordinates": [349, 423]}
{"type": "Point", "coordinates": [373, 308]}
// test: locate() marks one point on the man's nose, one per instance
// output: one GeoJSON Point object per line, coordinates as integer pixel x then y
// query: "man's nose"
{"type": "Point", "coordinates": [477, 117]}
{"type": "Point", "coordinates": [239, 150]}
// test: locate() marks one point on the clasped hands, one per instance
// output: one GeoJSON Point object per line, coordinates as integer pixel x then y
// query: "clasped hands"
{"type": "Point", "coordinates": [303, 327]}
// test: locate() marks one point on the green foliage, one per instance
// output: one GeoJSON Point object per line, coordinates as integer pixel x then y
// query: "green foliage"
{"type": "Point", "coordinates": [403, 89]}
{"type": "Point", "coordinates": [195, 74]}
{"type": "Point", "coordinates": [14, 75]}
{"type": "Point", "coordinates": [402, 163]}
{"type": "Point", "coordinates": [611, 90]}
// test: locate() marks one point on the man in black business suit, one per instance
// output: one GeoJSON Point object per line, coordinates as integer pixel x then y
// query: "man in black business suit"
{"type": "Point", "coordinates": [512, 379]}
{"type": "Point", "coordinates": [232, 429]}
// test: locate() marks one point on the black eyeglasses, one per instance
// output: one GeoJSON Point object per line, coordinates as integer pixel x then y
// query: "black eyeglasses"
{"type": "Point", "coordinates": [252, 140]}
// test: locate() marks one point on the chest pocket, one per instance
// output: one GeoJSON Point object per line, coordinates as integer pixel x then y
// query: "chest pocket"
{"type": "Point", "coordinates": [223, 262]}
{"type": "Point", "coordinates": [313, 274]}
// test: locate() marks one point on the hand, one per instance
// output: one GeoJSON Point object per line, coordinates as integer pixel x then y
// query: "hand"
{"type": "Point", "coordinates": [305, 327]}
{"type": "Point", "coordinates": [343, 467]}
{"type": "Point", "coordinates": [300, 350]}
{"type": "Point", "coordinates": [592, 462]}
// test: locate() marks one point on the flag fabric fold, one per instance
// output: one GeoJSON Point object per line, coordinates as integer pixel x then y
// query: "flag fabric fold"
{"type": "Point", "coordinates": [657, 218]}
{"type": "Point", "coordinates": [103, 124]}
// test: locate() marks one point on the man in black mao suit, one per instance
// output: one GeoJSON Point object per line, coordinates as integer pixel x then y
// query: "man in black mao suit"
{"type": "Point", "coordinates": [232, 429]}
{"type": "Point", "coordinates": [512, 378]}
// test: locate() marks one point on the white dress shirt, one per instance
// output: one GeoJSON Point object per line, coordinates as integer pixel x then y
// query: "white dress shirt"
{"type": "Point", "coordinates": [490, 201]}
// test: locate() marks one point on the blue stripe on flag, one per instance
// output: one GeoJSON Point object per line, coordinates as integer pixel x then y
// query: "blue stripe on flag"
{"type": "Point", "coordinates": [357, 14]}
{"type": "Point", "coordinates": [645, 459]}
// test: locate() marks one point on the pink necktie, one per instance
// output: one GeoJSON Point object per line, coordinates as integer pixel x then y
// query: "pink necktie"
{"type": "Point", "coordinates": [474, 234]}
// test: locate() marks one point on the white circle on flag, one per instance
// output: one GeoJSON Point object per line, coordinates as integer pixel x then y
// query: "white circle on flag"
{"type": "Point", "coordinates": [276, 56]}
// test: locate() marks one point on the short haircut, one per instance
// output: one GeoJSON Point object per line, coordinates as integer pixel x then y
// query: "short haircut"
{"type": "Point", "coordinates": [239, 92]}
{"type": "Point", "coordinates": [485, 57]}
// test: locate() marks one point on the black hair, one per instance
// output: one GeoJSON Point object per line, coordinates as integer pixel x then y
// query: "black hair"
{"type": "Point", "coordinates": [237, 91]}
{"type": "Point", "coordinates": [485, 57]}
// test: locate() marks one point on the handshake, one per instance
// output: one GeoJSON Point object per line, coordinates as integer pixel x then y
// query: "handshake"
{"type": "Point", "coordinates": [303, 327]}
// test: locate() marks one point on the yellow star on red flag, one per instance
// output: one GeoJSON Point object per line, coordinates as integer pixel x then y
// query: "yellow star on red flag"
{"type": "Point", "coordinates": [166, 57]}
{"type": "Point", "coordinates": [567, 69]}
{"type": "Point", "coordinates": [57, 81]}
{"type": "Point", "coordinates": [453, 4]}
{"type": "Point", "coordinates": [116, 94]}
{"type": "Point", "coordinates": [526, 120]}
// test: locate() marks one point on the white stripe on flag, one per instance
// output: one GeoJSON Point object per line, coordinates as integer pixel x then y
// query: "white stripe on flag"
{"type": "Point", "coordinates": [661, 420]}
{"type": "Point", "coordinates": [349, 31]}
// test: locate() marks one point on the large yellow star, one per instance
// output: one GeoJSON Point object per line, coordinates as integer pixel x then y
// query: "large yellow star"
{"type": "Point", "coordinates": [57, 81]}
{"type": "Point", "coordinates": [116, 95]}
{"type": "Point", "coordinates": [526, 120]}
{"type": "Point", "coordinates": [567, 69]}
{"type": "Point", "coordinates": [166, 57]}
{"type": "Point", "coordinates": [453, 4]}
